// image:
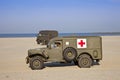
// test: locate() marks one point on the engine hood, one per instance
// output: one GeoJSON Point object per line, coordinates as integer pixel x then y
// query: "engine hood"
{"type": "Point", "coordinates": [36, 51]}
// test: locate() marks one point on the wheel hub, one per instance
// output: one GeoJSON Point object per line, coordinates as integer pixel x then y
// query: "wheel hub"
{"type": "Point", "coordinates": [36, 63]}
{"type": "Point", "coordinates": [70, 54]}
{"type": "Point", "coordinates": [85, 61]}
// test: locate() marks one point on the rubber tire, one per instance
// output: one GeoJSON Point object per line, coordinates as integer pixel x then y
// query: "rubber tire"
{"type": "Point", "coordinates": [67, 57]}
{"type": "Point", "coordinates": [40, 63]}
{"type": "Point", "coordinates": [84, 61]}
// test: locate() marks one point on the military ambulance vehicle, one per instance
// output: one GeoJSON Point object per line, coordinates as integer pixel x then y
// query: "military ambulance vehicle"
{"type": "Point", "coordinates": [44, 36]}
{"type": "Point", "coordinates": [82, 50]}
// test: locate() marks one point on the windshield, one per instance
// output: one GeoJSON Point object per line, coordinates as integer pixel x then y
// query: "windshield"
{"type": "Point", "coordinates": [51, 44]}
{"type": "Point", "coordinates": [48, 45]}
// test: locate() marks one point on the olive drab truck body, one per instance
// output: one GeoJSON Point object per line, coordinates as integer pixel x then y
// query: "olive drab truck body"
{"type": "Point", "coordinates": [82, 50]}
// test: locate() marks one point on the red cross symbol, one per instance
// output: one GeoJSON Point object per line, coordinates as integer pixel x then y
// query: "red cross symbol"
{"type": "Point", "coordinates": [81, 43]}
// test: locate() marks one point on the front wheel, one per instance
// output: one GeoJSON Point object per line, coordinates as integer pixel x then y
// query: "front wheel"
{"type": "Point", "coordinates": [84, 61]}
{"type": "Point", "coordinates": [36, 63]}
{"type": "Point", "coordinates": [69, 54]}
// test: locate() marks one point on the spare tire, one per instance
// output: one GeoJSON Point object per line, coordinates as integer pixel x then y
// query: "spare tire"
{"type": "Point", "coordinates": [69, 54]}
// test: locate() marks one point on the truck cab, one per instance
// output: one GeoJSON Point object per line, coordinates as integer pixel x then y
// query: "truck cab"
{"type": "Point", "coordinates": [82, 50]}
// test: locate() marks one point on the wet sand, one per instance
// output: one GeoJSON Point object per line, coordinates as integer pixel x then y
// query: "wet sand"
{"type": "Point", "coordinates": [13, 67]}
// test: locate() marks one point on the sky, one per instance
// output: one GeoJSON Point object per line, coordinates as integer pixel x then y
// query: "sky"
{"type": "Point", "coordinates": [65, 16]}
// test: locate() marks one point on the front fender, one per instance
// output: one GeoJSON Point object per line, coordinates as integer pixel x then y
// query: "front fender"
{"type": "Point", "coordinates": [39, 52]}
{"type": "Point", "coordinates": [34, 51]}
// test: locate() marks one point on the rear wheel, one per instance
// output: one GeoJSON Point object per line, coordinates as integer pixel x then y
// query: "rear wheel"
{"type": "Point", "coordinates": [84, 61]}
{"type": "Point", "coordinates": [36, 63]}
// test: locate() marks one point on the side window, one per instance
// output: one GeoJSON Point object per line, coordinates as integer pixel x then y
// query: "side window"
{"type": "Point", "coordinates": [58, 44]}
{"type": "Point", "coordinates": [55, 45]}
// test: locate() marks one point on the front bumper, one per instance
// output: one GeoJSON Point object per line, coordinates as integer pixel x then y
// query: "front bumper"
{"type": "Point", "coordinates": [27, 60]}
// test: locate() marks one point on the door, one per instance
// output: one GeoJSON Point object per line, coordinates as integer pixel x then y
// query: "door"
{"type": "Point", "coordinates": [55, 52]}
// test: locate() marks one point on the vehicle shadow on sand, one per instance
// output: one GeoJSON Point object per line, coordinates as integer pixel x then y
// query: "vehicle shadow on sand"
{"type": "Point", "coordinates": [55, 64]}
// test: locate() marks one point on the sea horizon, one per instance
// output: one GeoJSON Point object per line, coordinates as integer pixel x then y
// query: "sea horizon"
{"type": "Point", "coordinates": [7, 35]}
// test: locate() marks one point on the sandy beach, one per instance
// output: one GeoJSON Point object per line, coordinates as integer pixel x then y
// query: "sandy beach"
{"type": "Point", "coordinates": [13, 67]}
